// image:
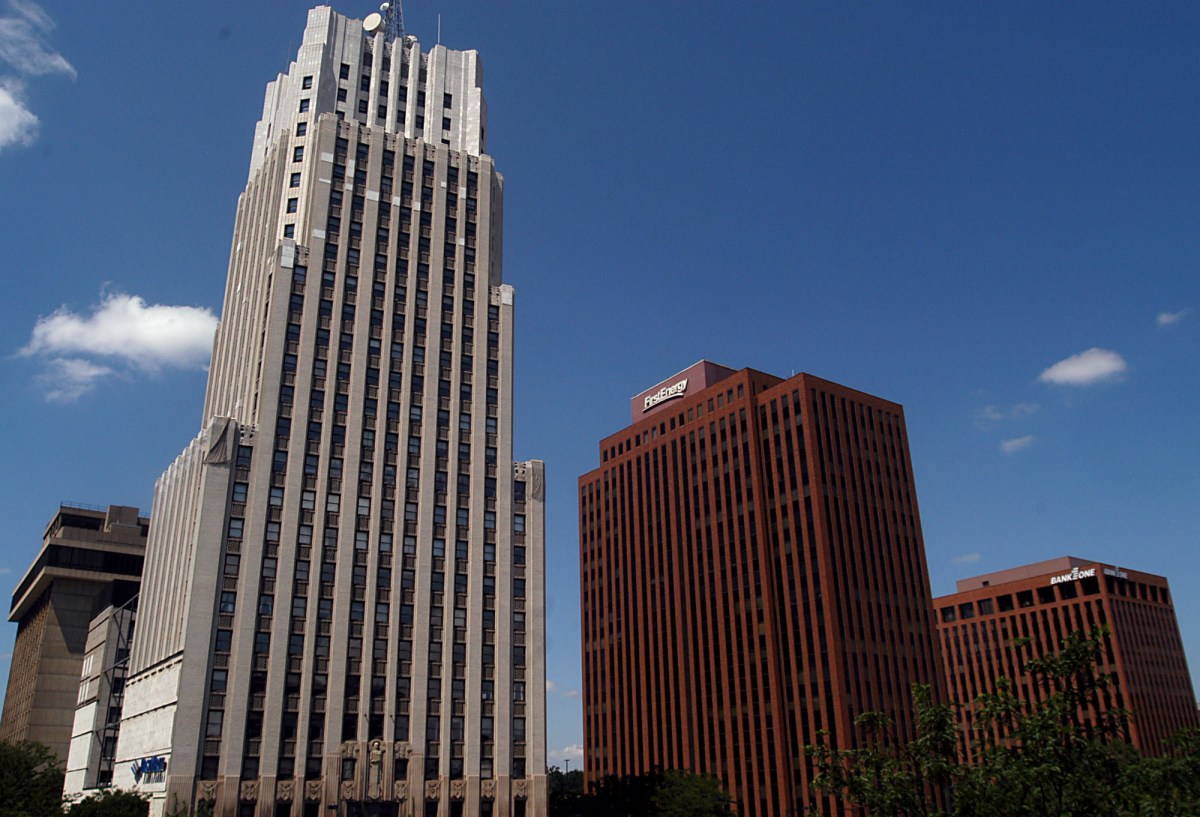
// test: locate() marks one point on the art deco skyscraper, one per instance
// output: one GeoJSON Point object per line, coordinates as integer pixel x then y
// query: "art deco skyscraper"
{"type": "Point", "coordinates": [752, 573]}
{"type": "Point", "coordinates": [343, 599]}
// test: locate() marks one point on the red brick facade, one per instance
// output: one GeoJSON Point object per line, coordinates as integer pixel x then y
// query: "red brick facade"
{"type": "Point", "coordinates": [752, 571]}
{"type": "Point", "coordinates": [1046, 601]}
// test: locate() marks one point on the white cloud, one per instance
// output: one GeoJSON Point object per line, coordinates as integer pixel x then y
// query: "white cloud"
{"type": "Point", "coordinates": [121, 331]}
{"type": "Point", "coordinates": [967, 558]}
{"type": "Point", "coordinates": [4, 571]}
{"type": "Point", "coordinates": [67, 379]}
{"type": "Point", "coordinates": [574, 751]}
{"type": "Point", "coordinates": [125, 327]}
{"type": "Point", "coordinates": [18, 124]}
{"type": "Point", "coordinates": [553, 688]}
{"type": "Point", "coordinates": [24, 30]}
{"type": "Point", "coordinates": [1092, 366]}
{"type": "Point", "coordinates": [1170, 318]}
{"type": "Point", "coordinates": [1017, 444]}
{"type": "Point", "coordinates": [23, 41]}
{"type": "Point", "coordinates": [990, 415]}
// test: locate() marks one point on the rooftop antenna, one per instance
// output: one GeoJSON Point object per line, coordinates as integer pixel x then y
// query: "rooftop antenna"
{"type": "Point", "coordinates": [393, 17]}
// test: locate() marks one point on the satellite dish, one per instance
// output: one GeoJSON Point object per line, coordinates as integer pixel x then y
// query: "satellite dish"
{"type": "Point", "coordinates": [372, 23]}
{"type": "Point", "coordinates": [385, 6]}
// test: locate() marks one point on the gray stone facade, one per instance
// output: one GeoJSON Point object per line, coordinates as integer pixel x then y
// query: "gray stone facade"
{"type": "Point", "coordinates": [343, 605]}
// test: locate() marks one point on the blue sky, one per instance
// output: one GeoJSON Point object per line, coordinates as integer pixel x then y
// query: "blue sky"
{"type": "Point", "coordinates": [986, 212]}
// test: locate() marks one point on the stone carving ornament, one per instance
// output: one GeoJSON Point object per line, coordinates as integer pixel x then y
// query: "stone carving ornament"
{"type": "Point", "coordinates": [433, 790]}
{"type": "Point", "coordinates": [458, 789]}
{"type": "Point", "coordinates": [208, 790]}
{"type": "Point", "coordinates": [401, 750]}
{"type": "Point", "coordinates": [285, 790]}
{"type": "Point", "coordinates": [249, 790]}
{"type": "Point", "coordinates": [520, 789]}
{"type": "Point", "coordinates": [400, 790]}
{"type": "Point", "coordinates": [489, 790]}
{"type": "Point", "coordinates": [312, 790]}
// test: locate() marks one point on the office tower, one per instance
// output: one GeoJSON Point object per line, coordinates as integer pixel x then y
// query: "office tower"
{"type": "Point", "coordinates": [752, 572]}
{"type": "Point", "coordinates": [1046, 601]}
{"type": "Point", "coordinates": [90, 558]}
{"type": "Point", "coordinates": [342, 610]}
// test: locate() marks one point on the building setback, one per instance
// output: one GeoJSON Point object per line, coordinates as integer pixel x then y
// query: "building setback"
{"type": "Point", "coordinates": [90, 558]}
{"type": "Point", "coordinates": [1046, 601]}
{"type": "Point", "coordinates": [342, 608]}
{"type": "Point", "coordinates": [752, 572]}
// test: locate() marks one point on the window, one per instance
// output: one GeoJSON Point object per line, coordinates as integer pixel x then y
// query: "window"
{"type": "Point", "coordinates": [362, 106]}
{"type": "Point", "coordinates": [445, 123]}
{"type": "Point", "coordinates": [295, 180]}
{"type": "Point", "coordinates": [301, 128]}
{"type": "Point", "coordinates": [293, 205]}
{"type": "Point", "coordinates": [306, 83]}
{"type": "Point", "coordinates": [289, 231]}
{"type": "Point", "coordinates": [345, 71]}
{"type": "Point", "coordinates": [304, 104]}
{"type": "Point", "coordinates": [297, 153]}
{"type": "Point", "coordinates": [341, 95]}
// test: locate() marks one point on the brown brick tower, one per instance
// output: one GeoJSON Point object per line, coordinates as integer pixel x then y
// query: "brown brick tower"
{"type": "Point", "coordinates": [752, 572]}
{"type": "Point", "coordinates": [1048, 600]}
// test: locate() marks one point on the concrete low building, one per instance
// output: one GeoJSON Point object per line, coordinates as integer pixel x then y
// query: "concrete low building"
{"type": "Point", "coordinates": [101, 691]}
{"type": "Point", "coordinates": [90, 558]}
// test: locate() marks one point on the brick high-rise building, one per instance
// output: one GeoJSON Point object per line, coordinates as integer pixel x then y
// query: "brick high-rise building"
{"type": "Point", "coordinates": [90, 558]}
{"type": "Point", "coordinates": [342, 608]}
{"type": "Point", "coordinates": [1046, 601]}
{"type": "Point", "coordinates": [752, 572]}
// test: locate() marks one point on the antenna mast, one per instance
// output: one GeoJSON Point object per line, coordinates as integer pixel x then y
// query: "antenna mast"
{"type": "Point", "coordinates": [393, 20]}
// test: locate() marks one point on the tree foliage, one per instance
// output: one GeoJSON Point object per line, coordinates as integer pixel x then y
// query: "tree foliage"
{"type": "Point", "coordinates": [110, 803]}
{"type": "Point", "coordinates": [31, 781]}
{"type": "Point", "coordinates": [31, 785]}
{"type": "Point", "coordinates": [1065, 755]}
{"type": "Point", "coordinates": [671, 793]}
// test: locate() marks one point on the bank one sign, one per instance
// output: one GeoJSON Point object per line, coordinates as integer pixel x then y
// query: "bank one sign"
{"type": "Point", "coordinates": [149, 769]}
{"type": "Point", "coordinates": [664, 394]}
{"type": "Point", "coordinates": [1075, 575]}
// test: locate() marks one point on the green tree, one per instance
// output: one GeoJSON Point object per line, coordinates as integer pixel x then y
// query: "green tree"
{"type": "Point", "coordinates": [671, 793]}
{"type": "Point", "coordinates": [31, 781]}
{"type": "Point", "coordinates": [564, 792]}
{"type": "Point", "coordinates": [1065, 755]}
{"type": "Point", "coordinates": [684, 794]}
{"type": "Point", "coordinates": [110, 803]}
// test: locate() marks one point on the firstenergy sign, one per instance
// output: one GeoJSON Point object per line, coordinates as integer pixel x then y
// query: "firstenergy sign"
{"type": "Point", "coordinates": [664, 394]}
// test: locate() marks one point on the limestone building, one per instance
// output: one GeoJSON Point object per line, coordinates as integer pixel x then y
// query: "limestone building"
{"type": "Point", "coordinates": [342, 608]}
{"type": "Point", "coordinates": [90, 558]}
